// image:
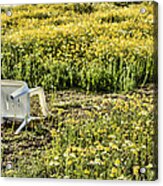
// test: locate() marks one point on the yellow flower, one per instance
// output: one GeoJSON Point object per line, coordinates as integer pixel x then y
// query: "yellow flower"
{"type": "Point", "coordinates": [117, 162]}
{"type": "Point", "coordinates": [114, 170]}
{"type": "Point", "coordinates": [149, 166]}
{"type": "Point", "coordinates": [69, 162]}
{"type": "Point", "coordinates": [111, 175]}
{"type": "Point", "coordinates": [114, 146]}
{"type": "Point", "coordinates": [86, 171]}
{"type": "Point", "coordinates": [107, 149]}
{"type": "Point", "coordinates": [136, 170]}
{"type": "Point", "coordinates": [53, 132]}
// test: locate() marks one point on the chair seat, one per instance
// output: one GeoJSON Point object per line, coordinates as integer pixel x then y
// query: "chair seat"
{"type": "Point", "coordinates": [15, 102]}
{"type": "Point", "coordinates": [18, 107]}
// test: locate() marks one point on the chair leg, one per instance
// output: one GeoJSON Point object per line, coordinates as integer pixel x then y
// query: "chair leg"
{"type": "Point", "coordinates": [39, 91]}
{"type": "Point", "coordinates": [24, 123]}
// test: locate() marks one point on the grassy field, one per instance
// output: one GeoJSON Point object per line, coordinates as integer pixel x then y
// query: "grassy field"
{"type": "Point", "coordinates": [94, 136]}
{"type": "Point", "coordinates": [95, 47]}
{"type": "Point", "coordinates": [98, 67]}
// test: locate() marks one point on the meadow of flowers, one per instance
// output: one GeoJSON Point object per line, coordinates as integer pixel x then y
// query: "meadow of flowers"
{"type": "Point", "coordinates": [97, 63]}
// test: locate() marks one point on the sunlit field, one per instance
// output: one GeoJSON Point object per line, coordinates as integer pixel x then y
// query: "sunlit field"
{"type": "Point", "coordinates": [98, 66]}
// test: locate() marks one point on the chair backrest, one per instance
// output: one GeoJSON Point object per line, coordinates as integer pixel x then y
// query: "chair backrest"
{"type": "Point", "coordinates": [15, 99]}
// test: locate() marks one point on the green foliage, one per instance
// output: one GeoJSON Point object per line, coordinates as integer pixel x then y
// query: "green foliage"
{"type": "Point", "coordinates": [94, 47]}
{"type": "Point", "coordinates": [97, 47]}
{"type": "Point", "coordinates": [107, 136]}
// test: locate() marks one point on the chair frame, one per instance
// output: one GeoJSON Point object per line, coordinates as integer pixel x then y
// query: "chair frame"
{"type": "Point", "coordinates": [23, 90]}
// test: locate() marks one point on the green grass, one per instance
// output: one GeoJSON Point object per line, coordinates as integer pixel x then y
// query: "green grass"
{"type": "Point", "coordinates": [95, 47]}
{"type": "Point", "coordinates": [110, 136]}
{"type": "Point", "coordinates": [98, 66]}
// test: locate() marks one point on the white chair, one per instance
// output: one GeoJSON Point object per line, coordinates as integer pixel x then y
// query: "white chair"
{"type": "Point", "coordinates": [15, 102]}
